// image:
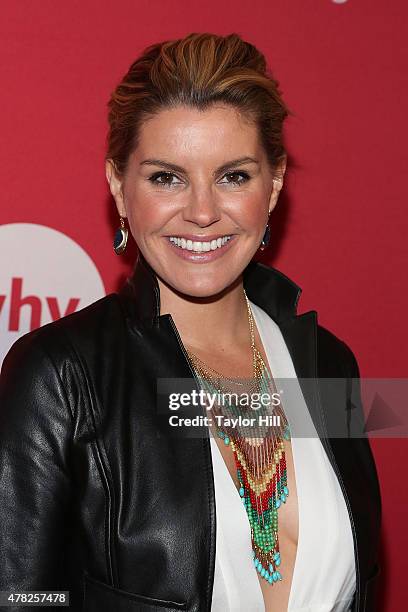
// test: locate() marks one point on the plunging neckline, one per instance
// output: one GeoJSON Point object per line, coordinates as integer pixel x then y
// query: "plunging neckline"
{"type": "Point", "coordinates": [296, 463]}
{"type": "Point", "coordinates": [321, 578]}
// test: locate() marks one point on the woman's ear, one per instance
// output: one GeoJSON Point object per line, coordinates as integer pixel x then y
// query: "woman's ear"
{"type": "Point", "coordinates": [277, 183]}
{"type": "Point", "coordinates": [115, 186]}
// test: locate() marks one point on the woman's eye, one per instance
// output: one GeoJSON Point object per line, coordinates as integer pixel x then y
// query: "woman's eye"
{"type": "Point", "coordinates": [167, 179]}
{"type": "Point", "coordinates": [234, 176]}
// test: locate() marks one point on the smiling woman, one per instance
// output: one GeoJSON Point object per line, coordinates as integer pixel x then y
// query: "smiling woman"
{"type": "Point", "coordinates": [99, 496]}
{"type": "Point", "coordinates": [209, 208]}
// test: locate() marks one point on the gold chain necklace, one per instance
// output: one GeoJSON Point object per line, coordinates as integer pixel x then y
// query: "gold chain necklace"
{"type": "Point", "coordinates": [258, 364]}
{"type": "Point", "coordinates": [260, 459]}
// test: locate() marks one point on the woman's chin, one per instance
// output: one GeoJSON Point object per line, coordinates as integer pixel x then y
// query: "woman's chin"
{"type": "Point", "coordinates": [201, 287]}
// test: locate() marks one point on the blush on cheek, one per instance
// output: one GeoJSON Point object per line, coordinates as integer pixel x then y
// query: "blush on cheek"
{"type": "Point", "coordinates": [151, 214]}
{"type": "Point", "coordinates": [251, 212]}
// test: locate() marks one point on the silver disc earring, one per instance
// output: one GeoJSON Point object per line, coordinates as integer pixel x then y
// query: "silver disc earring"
{"type": "Point", "coordinates": [121, 237]}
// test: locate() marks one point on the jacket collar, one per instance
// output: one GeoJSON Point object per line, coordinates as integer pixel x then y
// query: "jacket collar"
{"type": "Point", "coordinates": [278, 296]}
{"type": "Point", "coordinates": [265, 286]}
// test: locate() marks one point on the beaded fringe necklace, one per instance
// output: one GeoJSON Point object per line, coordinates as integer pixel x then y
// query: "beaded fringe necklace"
{"type": "Point", "coordinates": [258, 451]}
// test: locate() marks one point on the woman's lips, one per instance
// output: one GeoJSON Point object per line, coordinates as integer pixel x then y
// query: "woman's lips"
{"type": "Point", "coordinates": [203, 256]}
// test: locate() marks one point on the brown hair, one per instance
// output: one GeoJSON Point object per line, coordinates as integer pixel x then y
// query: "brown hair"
{"type": "Point", "coordinates": [196, 71]}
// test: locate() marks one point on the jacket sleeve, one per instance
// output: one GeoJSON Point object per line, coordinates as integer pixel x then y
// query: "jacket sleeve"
{"type": "Point", "coordinates": [35, 487]}
{"type": "Point", "coordinates": [355, 413]}
{"type": "Point", "coordinates": [356, 425]}
{"type": "Point", "coordinates": [365, 457]}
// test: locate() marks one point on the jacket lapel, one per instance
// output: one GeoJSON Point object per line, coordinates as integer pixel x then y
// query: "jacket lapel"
{"type": "Point", "coordinates": [300, 337]}
{"type": "Point", "coordinates": [300, 334]}
{"type": "Point", "coordinates": [278, 296]}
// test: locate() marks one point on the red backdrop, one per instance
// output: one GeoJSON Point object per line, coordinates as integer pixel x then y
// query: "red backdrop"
{"type": "Point", "coordinates": [340, 227]}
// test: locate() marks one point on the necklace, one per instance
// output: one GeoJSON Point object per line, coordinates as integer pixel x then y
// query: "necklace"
{"type": "Point", "coordinates": [258, 449]}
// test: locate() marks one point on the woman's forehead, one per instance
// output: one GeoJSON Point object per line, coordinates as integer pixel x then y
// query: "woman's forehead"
{"type": "Point", "coordinates": [189, 132]}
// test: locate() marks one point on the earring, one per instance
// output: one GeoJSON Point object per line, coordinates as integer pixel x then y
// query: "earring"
{"type": "Point", "coordinates": [266, 236]}
{"type": "Point", "coordinates": [120, 239]}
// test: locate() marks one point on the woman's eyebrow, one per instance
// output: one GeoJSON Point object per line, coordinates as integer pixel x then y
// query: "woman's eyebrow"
{"type": "Point", "coordinates": [176, 168]}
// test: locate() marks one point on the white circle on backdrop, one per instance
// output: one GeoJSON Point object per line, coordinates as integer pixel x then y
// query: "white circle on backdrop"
{"type": "Point", "coordinates": [44, 275]}
{"type": "Point", "coordinates": [339, 1]}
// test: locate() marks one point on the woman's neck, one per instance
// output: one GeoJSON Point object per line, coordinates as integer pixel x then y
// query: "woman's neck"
{"type": "Point", "coordinates": [210, 324]}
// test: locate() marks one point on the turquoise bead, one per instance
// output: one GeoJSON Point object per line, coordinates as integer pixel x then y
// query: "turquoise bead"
{"type": "Point", "coordinates": [270, 568]}
{"type": "Point", "coordinates": [221, 434]}
{"type": "Point", "coordinates": [286, 490]}
{"type": "Point", "coordinates": [270, 579]}
{"type": "Point", "coordinates": [277, 503]}
{"type": "Point", "coordinates": [263, 572]}
{"type": "Point", "coordinates": [266, 575]}
{"type": "Point", "coordinates": [274, 576]}
{"type": "Point", "coordinates": [226, 440]}
{"type": "Point", "coordinates": [277, 561]}
{"type": "Point", "coordinates": [260, 567]}
{"type": "Point", "coordinates": [256, 563]}
{"type": "Point", "coordinates": [279, 575]}
{"type": "Point", "coordinates": [242, 491]}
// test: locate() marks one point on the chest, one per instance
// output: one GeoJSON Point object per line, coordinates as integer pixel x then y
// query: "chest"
{"type": "Point", "coordinates": [275, 596]}
{"type": "Point", "coordinates": [288, 512]}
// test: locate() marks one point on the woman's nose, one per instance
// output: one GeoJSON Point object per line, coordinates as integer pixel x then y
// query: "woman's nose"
{"type": "Point", "coordinates": [202, 208]}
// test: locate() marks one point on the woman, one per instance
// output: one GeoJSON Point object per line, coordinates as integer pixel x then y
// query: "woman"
{"type": "Point", "coordinates": [101, 495]}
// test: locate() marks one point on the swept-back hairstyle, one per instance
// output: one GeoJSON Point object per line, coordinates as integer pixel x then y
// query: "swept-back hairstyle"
{"type": "Point", "coordinates": [197, 70]}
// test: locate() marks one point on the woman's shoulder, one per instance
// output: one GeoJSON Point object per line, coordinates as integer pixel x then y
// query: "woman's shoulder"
{"type": "Point", "coordinates": [81, 330]}
{"type": "Point", "coordinates": [331, 345]}
{"type": "Point", "coordinates": [331, 349]}
{"type": "Point", "coordinates": [42, 377]}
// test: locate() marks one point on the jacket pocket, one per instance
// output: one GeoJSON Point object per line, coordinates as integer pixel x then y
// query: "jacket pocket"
{"type": "Point", "coordinates": [100, 596]}
{"type": "Point", "coordinates": [371, 590]}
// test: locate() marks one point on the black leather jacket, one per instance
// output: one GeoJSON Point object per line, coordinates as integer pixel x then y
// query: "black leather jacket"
{"type": "Point", "coordinates": [97, 499]}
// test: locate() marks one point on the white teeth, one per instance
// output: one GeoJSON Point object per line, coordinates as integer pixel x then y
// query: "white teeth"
{"type": "Point", "coordinates": [198, 246]}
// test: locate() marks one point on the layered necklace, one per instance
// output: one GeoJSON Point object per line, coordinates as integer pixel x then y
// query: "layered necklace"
{"type": "Point", "coordinates": [257, 446]}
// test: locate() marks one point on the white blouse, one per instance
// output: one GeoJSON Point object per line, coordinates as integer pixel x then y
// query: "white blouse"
{"type": "Point", "coordinates": [324, 578]}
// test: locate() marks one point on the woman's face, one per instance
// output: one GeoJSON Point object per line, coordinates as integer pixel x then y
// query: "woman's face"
{"type": "Point", "coordinates": [197, 193]}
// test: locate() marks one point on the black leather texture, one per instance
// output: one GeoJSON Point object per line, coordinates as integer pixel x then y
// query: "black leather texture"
{"type": "Point", "coordinates": [99, 499]}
